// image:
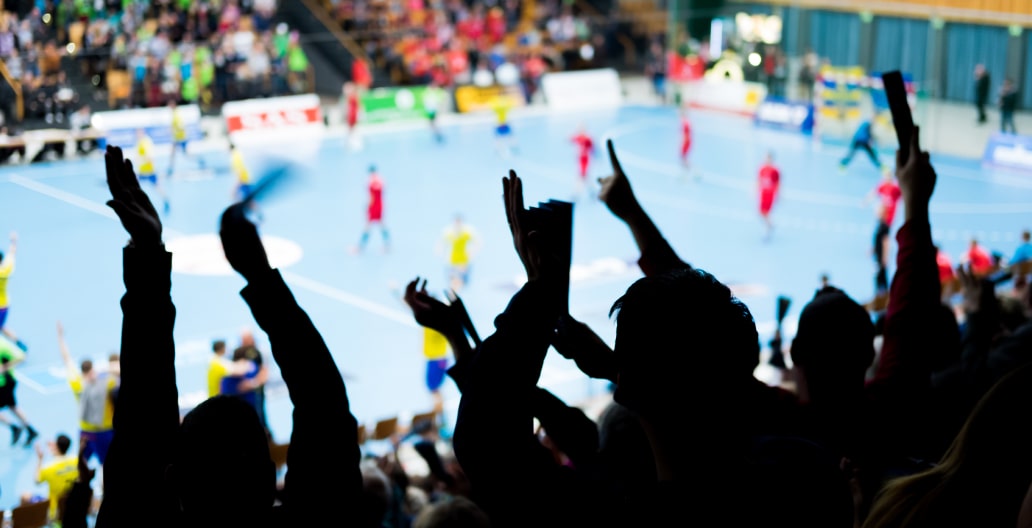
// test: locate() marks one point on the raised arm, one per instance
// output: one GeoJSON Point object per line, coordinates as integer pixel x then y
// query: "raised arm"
{"type": "Point", "coordinates": [322, 415]}
{"type": "Point", "coordinates": [147, 416]}
{"type": "Point", "coordinates": [657, 256]}
{"type": "Point", "coordinates": [513, 477]}
{"type": "Point", "coordinates": [66, 357]}
{"type": "Point", "coordinates": [569, 428]}
{"type": "Point", "coordinates": [577, 341]}
{"type": "Point", "coordinates": [12, 250]}
{"type": "Point", "coordinates": [914, 297]}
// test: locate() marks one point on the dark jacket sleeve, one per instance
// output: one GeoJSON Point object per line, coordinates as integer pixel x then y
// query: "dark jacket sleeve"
{"type": "Point", "coordinates": [147, 407]}
{"type": "Point", "coordinates": [905, 367]}
{"type": "Point", "coordinates": [659, 257]}
{"type": "Point", "coordinates": [513, 478]}
{"type": "Point", "coordinates": [570, 429]}
{"type": "Point", "coordinates": [322, 420]}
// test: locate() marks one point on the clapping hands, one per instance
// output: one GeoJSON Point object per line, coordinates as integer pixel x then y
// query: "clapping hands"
{"type": "Point", "coordinates": [447, 319]}
{"type": "Point", "coordinates": [430, 312]}
{"type": "Point", "coordinates": [539, 260]}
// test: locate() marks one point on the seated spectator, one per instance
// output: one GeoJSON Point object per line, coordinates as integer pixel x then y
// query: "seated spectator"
{"type": "Point", "coordinates": [945, 265]}
{"type": "Point", "coordinates": [1024, 251]}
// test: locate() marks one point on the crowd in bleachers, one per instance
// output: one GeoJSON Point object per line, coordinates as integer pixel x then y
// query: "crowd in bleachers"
{"type": "Point", "coordinates": [450, 42]}
{"type": "Point", "coordinates": [149, 52]}
{"type": "Point", "coordinates": [912, 416]}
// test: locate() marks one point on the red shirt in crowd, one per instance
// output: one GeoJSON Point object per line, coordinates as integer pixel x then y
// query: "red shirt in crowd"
{"type": "Point", "coordinates": [979, 260]}
{"type": "Point", "coordinates": [945, 267]}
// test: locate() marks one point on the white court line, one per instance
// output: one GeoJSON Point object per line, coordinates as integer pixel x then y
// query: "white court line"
{"type": "Point", "coordinates": [290, 277]}
{"type": "Point", "coordinates": [34, 385]}
{"type": "Point", "coordinates": [64, 196]}
{"type": "Point", "coordinates": [348, 298]}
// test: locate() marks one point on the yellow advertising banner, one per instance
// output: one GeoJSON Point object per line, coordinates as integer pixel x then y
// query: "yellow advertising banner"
{"type": "Point", "coordinates": [479, 99]}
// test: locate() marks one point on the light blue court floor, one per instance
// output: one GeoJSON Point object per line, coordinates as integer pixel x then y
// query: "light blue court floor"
{"type": "Point", "coordinates": [69, 256]}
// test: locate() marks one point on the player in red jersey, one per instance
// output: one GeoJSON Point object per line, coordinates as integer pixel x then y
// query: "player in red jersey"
{"type": "Point", "coordinates": [374, 213]}
{"type": "Point", "coordinates": [770, 181]}
{"type": "Point", "coordinates": [686, 138]}
{"type": "Point", "coordinates": [888, 195]}
{"type": "Point", "coordinates": [585, 150]}
{"type": "Point", "coordinates": [351, 104]}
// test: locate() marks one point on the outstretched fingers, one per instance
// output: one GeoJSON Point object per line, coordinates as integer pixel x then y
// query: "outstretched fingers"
{"type": "Point", "coordinates": [613, 160]}
{"type": "Point", "coordinates": [113, 167]}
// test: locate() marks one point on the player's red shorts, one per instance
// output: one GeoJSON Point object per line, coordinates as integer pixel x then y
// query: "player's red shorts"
{"type": "Point", "coordinates": [375, 212]}
{"type": "Point", "coordinates": [584, 166]}
{"type": "Point", "coordinates": [352, 120]}
{"type": "Point", "coordinates": [766, 202]}
{"type": "Point", "coordinates": [685, 147]}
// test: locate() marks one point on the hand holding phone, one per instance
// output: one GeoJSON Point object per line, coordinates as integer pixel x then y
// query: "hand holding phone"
{"type": "Point", "coordinates": [902, 119]}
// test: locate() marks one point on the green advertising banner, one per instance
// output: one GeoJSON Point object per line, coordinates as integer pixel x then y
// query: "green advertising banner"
{"type": "Point", "coordinates": [398, 104]}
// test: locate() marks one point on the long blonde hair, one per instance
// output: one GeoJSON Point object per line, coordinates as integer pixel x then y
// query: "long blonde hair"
{"type": "Point", "coordinates": [982, 479]}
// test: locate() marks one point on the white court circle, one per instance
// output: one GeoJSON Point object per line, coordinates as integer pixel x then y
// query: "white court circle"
{"type": "Point", "coordinates": [203, 255]}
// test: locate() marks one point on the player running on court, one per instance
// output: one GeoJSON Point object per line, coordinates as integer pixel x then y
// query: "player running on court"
{"type": "Point", "coordinates": [351, 109]}
{"type": "Point", "coordinates": [769, 183]}
{"type": "Point", "coordinates": [146, 170]}
{"type": "Point", "coordinates": [374, 213]}
{"type": "Point", "coordinates": [180, 138]}
{"type": "Point", "coordinates": [686, 139]}
{"type": "Point", "coordinates": [243, 177]}
{"type": "Point", "coordinates": [863, 139]}
{"type": "Point", "coordinates": [461, 243]}
{"type": "Point", "coordinates": [503, 130]}
{"type": "Point", "coordinates": [6, 269]}
{"type": "Point", "coordinates": [585, 151]}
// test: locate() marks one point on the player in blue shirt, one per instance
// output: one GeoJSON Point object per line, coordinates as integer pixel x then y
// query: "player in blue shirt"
{"type": "Point", "coordinates": [862, 139]}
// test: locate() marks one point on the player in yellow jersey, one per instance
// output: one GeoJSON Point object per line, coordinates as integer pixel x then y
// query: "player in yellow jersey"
{"type": "Point", "coordinates": [6, 269]}
{"type": "Point", "coordinates": [460, 243]}
{"type": "Point", "coordinates": [243, 176]}
{"type": "Point", "coordinates": [503, 131]}
{"type": "Point", "coordinates": [218, 368]}
{"type": "Point", "coordinates": [180, 137]}
{"type": "Point", "coordinates": [60, 474]}
{"type": "Point", "coordinates": [95, 392]}
{"type": "Point", "coordinates": [435, 350]}
{"type": "Point", "coordinates": [145, 170]}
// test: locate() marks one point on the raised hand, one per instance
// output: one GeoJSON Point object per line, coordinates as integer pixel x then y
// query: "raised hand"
{"type": "Point", "coordinates": [916, 177]}
{"type": "Point", "coordinates": [14, 238]}
{"type": "Point", "coordinates": [616, 191]}
{"type": "Point", "coordinates": [130, 203]}
{"type": "Point", "coordinates": [575, 340]}
{"type": "Point", "coordinates": [241, 243]}
{"type": "Point", "coordinates": [978, 293]}
{"type": "Point", "coordinates": [430, 312]}
{"type": "Point", "coordinates": [516, 213]}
